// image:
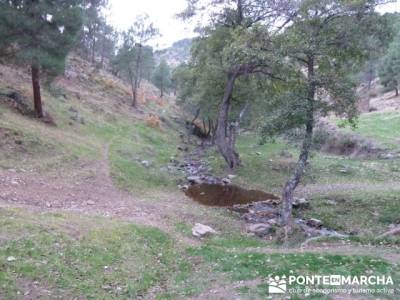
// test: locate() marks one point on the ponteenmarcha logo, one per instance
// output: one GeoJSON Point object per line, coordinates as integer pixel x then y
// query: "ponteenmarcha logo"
{"type": "Point", "coordinates": [281, 284]}
{"type": "Point", "coordinates": [277, 285]}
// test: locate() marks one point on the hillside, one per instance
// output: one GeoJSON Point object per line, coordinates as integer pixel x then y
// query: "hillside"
{"type": "Point", "coordinates": [90, 209]}
{"type": "Point", "coordinates": [175, 55]}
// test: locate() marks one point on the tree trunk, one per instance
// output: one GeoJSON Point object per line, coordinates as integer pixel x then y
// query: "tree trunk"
{"type": "Point", "coordinates": [37, 98]}
{"type": "Point", "coordinates": [162, 89]}
{"type": "Point", "coordinates": [291, 184]}
{"type": "Point", "coordinates": [225, 136]}
{"type": "Point", "coordinates": [397, 91]}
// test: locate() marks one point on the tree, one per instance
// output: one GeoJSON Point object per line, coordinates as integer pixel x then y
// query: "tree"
{"type": "Point", "coordinates": [107, 43]}
{"type": "Point", "coordinates": [93, 27]}
{"type": "Point", "coordinates": [134, 55]}
{"type": "Point", "coordinates": [237, 52]}
{"type": "Point", "coordinates": [389, 72]}
{"type": "Point", "coordinates": [323, 45]}
{"type": "Point", "coordinates": [39, 34]}
{"type": "Point", "coordinates": [162, 77]}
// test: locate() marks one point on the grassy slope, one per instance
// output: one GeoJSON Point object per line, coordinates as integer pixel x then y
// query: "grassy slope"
{"type": "Point", "coordinates": [73, 255]}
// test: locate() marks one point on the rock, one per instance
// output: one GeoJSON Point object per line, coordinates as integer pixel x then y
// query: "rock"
{"type": "Point", "coordinates": [231, 176]}
{"type": "Point", "coordinates": [314, 223]}
{"type": "Point", "coordinates": [184, 187]}
{"type": "Point", "coordinates": [70, 74]}
{"type": "Point", "coordinates": [300, 203]}
{"type": "Point", "coordinates": [145, 163]}
{"type": "Point", "coordinates": [48, 204]}
{"type": "Point", "coordinates": [241, 209]}
{"type": "Point", "coordinates": [195, 179]}
{"type": "Point", "coordinates": [226, 181]}
{"type": "Point", "coordinates": [331, 202]}
{"type": "Point", "coordinates": [273, 222]}
{"type": "Point", "coordinates": [258, 153]}
{"type": "Point", "coordinates": [259, 229]}
{"type": "Point", "coordinates": [200, 230]}
{"type": "Point", "coordinates": [90, 202]}
{"type": "Point", "coordinates": [387, 156]}
{"type": "Point", "coordinates": [11, 258]}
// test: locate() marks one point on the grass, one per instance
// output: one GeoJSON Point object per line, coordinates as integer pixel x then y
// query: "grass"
{"type": "Point", "coordinates": [383, 127]}
{"type": "Point", "coordinates": [106, 123]}
{"type": "Point", "coordinates": [264, 167]}
{"type": "Point", "coordinates": [73, 256]}
{"type": "Point", "coordinates": [245, 266]}
{"type": "Point", "coordinates": [366, 214]}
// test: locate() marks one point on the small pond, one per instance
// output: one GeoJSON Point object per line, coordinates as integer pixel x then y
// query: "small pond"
{"type": "Point", "coordinates": [225, 195]}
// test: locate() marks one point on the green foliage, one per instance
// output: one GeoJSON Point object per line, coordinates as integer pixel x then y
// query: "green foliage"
{"type": "Point", "coordinates": [328, 37]}
{"type": "Point", "coordinates": [134, 59]}
{"type": "Point", "coordinates": [162, 77]}
{"type": "Point", "coordinates": [389, 72]}
{"type": "Point", "coordinates": [39, 32]}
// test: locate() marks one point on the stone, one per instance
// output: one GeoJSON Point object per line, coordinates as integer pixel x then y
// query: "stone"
{"type": "Point", "coordinates": [258, 153]}
{"type": "Point", "coordinates": [145, 163]}
{"type": "Point", "coordinates": [200, 230]}
{"type": "Point", "coordinates": [231, 176]}
{"type": "Point", "coordinates": [226, 180]}
{"type": "Point", "coordinates": [314, 223]}
{"type": "Point", "coordinates": [14, 182]}
{"type": "Point", "coordinates": [90, 202]}
{"type": "Point", "coordinates": [184, 187]}
{"type": "Point", "coordinates": [11, 258]}
{"type": "Point", "coordinates": [300, 203]}
{"type": "Point", "coordinates": [259, 229]}
{"type": "Point", "coordinates": [388, 156]}
{"type": "Point", "coordinates": [273, 222]}
{"type": "Point", "coordinates": [194, 179]}
{"type": "Point", "coordinates": [331, 202]}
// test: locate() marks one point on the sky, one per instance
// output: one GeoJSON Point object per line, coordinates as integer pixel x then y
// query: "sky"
{"type": "Point", "coordinates": [122, 14]}
{"type": "Point", "coordinates": [161, 12]}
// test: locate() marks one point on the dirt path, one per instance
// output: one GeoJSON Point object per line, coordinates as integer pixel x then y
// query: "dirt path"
{"type": "Point", "coordinates": [87, 188]}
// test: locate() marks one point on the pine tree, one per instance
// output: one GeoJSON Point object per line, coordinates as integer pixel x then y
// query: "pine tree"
{"type": "Point", "coordinates": [39, 34]}
{"type": "Point", "coordinates": [162, 77]}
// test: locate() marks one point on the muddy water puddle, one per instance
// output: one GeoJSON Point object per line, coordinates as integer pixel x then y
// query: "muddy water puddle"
{"type": "Point", "coordinates": [226, 195]}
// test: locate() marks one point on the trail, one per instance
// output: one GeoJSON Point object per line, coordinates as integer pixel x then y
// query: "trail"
{"type": "Point", "coordinates": [87, 188]}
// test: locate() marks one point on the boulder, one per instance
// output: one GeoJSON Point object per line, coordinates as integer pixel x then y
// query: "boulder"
{"type": "Point", "coordinates": [315, 223]}
{"type": "Point", "coordinates": [200, 230]}
{"type": "Point", "coordinates": [300, 203]}
{"type": "Point", "coordinates": [145, 163]}
{"type": "Point", "coordinates": [194, 179]}
{"type": "Point", "coordinates": [226, 181]}
{"type": "Point", "coordinates": [259, 229]}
